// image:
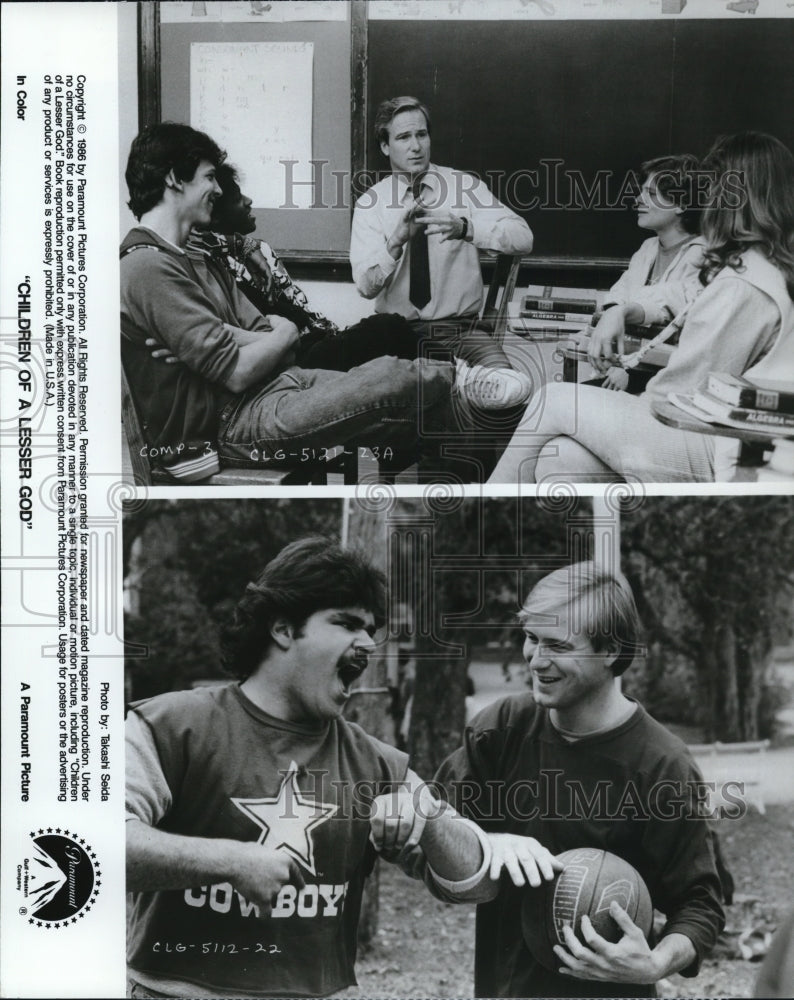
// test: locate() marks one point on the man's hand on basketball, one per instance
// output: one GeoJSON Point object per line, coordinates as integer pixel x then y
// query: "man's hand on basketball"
{"type": "Point", "coordinates": [258, 874]}
{"type": "Point", "coordinates": [629, 960]}
{"type": "Point", "coordinates": [526, 860]}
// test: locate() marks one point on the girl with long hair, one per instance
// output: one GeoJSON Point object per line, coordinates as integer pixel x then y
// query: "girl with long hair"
{"type": "Point", "coordinates": [741, 323]}
{"type": "Point", "coordinates": [662, 276]}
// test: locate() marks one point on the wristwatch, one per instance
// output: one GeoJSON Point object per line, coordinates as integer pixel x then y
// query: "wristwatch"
{"type": "Point", "coordinates": [465, 232]}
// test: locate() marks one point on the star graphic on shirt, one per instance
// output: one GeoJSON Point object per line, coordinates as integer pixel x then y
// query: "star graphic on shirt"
{"type": "Point", "coordinates": [288, 819]}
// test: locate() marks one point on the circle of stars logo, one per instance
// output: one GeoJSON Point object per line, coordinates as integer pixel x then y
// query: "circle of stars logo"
{"type": "Point", "coordinates": [64, 878]}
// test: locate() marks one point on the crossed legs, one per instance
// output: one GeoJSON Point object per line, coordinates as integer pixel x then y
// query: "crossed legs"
{"type": "Point", "coordinates": [575, 431]}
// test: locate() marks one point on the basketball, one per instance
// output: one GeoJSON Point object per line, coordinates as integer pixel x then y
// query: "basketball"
{"type": "Point", "coordinates": [591, 879]}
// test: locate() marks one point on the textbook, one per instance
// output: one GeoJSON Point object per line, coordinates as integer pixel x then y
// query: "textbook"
{"type": "Point", "coordinates": [563, 317]}
{"type": "Point", "coordinates": [545, 332]}
{"type": "Point", "coordinates": [752, 393]}
{"type": "Point", "coordinates": [742, 414]}
{"type": "Point", "coordinates": [555, 298]}
{"type": "Point", "coordinates": [688, 405]}
{"type": "Point", "coordinates": [541, 329]}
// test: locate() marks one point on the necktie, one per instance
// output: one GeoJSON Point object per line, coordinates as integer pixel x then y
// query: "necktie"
{"type": "Point", "coordinates": [419, 288]}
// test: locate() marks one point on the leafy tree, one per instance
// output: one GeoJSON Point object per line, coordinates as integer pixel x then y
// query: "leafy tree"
{"type": "Point", "coordinates": [714, 579]}
{"type": "Point", "coordinates": [188, 564]}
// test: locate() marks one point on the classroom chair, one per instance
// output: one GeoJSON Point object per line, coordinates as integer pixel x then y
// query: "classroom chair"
{"type": "Point", "coordinates": [343, 460]}
{"type": "Point", "coordinates": [654, 362]}
{"type": "Point", "coordinates": [500, 293]}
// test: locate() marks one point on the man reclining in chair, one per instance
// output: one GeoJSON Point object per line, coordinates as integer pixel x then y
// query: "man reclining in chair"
{"type": "Point", "coordinates": [262, 278]}
{"type": "Point", "coordinates": [237, 396]}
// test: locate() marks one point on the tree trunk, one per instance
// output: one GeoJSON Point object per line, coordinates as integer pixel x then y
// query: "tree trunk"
{"type": "Point", "coordinates": [732, 674]}
{"type": "Point", "coordinates": [438, 710]}
{"type": "Point", "coordinates": [367, 531]}
{"type": "Point", "coordinates": [708, 669]}
{"type": "Point", "coordinates": [728, 668]}
{"type": "Point", "coordinates": [438, 715]}
{"type": "Point", "coordinates": [754, 660]}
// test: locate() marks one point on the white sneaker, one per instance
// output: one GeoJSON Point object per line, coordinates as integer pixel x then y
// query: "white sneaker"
{"type": "Point", "coordinates": [492, 388]}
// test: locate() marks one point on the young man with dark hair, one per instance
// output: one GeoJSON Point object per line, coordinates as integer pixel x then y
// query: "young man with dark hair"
{"type": "Point", "coordinates": [255, 811]}
{"type": "Point", "coordinates": [261, 276]}
{"type": "Point", "coordinates": [579, 764]}
{"type": "Point", "coordinates": [168, 150]}
{"type": "Point", "coordinates": [237, 393]}
{"type": "Point", "coordinates": [307, 576]}
{"type": "Point", "coordinates": [389, 109]}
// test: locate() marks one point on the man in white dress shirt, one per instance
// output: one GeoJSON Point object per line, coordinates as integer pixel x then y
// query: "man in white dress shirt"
{"type": "Point", "coordinates": [416, 236]}
{"type": "Point", "coordinates": [414, 250]}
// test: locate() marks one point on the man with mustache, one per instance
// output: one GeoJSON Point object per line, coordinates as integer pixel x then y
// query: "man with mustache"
{"type": "Point", "coordinates": [255, 810]}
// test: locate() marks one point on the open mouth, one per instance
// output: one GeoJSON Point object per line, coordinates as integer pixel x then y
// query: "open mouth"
{"type": "Point", "coordinates": [546, 681]}
{"type": "Point", "coordinates": [350, 671]}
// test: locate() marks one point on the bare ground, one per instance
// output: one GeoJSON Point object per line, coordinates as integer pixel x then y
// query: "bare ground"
{"type": "Point", "coordinates": [425, 948]}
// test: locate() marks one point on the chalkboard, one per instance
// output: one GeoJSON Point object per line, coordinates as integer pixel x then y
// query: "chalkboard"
{"type": "Point", "coordinates": [595, 95]}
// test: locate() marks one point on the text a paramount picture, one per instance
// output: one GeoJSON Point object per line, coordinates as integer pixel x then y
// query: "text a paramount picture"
{"type": "Point", "coordinates": [62, 686]}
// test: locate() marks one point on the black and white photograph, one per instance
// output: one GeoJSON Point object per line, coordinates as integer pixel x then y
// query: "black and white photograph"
{"type": "Point", "coordinates": [513, 217]}
{"type": "Point", "coordinates": [474, 748]}
{"type": "Point", "coordinates": [397, 453]}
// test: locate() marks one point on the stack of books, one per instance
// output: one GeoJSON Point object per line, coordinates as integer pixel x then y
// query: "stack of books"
{"type": "Point", "coordinates": [745, 403]}
{"type": "Point", "coordinates": [545, 312]}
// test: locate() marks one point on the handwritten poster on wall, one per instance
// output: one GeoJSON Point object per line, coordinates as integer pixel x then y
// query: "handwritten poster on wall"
{"type": "Point", "coordinates": [255, 100]}
{"type": "Point", "coordinates": [230, 11]}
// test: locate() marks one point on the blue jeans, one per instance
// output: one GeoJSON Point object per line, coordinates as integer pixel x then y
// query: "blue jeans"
{"type": "Point", "coordinates": [385, 403]}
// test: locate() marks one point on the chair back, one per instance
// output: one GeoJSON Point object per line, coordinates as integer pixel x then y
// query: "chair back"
{"type": "Point", "coordinates": [133, 430]}
{"type": "Point", "coordinates": [500, 293]}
